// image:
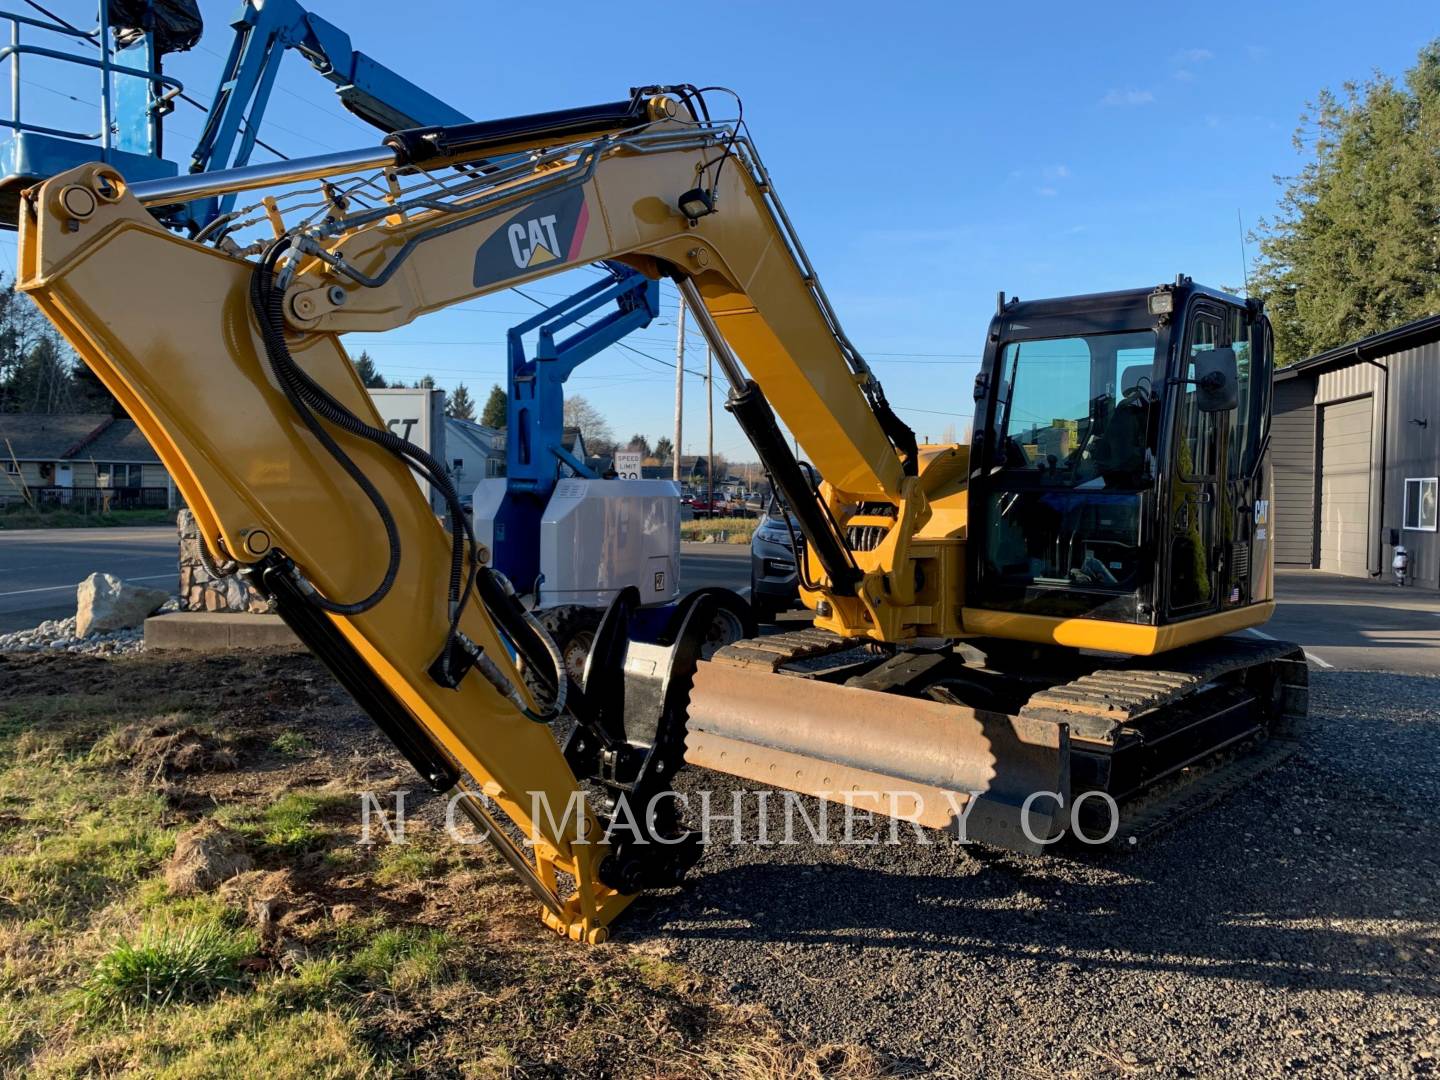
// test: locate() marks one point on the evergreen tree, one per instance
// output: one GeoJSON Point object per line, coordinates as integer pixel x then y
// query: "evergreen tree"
{"type": "Point", "coordinates": [365, 367]}
{"type": "Point", "coordinates": [39, 372]}
{"type": "Point", "coordinates": [459, 404]}
{"type": "Point", "coordinates": [664, 448]}
{"type": "Point", "coordinates": [493, 415]}
{"type": "Point", "coordinates": [640, 443]}
{"type": "Point", "coordinates": [90, 395]}
{"type": "Point", "coordinates": [425, 382]}
{"type": "Point", "coordinates": [1355, 249]}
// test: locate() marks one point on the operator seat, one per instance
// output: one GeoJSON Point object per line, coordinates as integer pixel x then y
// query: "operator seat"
{"type": "Point", "coordinates": [1121, 449]}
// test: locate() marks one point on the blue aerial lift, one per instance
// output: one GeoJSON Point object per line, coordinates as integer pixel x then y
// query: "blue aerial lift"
{"type": "Point", "coordinates": [535, 452]}
{"type": "Point", "coordinates": [570, 545]}
{"type": "Point", "coordinates": [126, 50]}
{"type": "Point", "coordinates": [569, 540]}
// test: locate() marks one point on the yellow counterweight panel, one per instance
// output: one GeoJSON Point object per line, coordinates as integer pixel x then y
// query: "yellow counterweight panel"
{"type": "Point", "coordinates": [167, 326]}
{"type": "Point", "coordinates": [1113, 636]}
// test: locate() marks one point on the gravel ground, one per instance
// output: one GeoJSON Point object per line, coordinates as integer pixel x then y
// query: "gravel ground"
{"type": "Point", "coordinates": [59, 635]}
{"type": "Point", "coordinates": [1292, 928]}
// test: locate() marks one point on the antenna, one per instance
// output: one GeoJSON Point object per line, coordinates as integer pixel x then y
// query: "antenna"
{"type": "Point", "coordinates": [1244, 255]}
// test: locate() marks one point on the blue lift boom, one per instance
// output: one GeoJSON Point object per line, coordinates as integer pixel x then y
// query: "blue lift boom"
{"type": "Point", "coordinates": [535, 409]}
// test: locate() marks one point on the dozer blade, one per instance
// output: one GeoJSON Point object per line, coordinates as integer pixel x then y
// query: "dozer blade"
{"type": "Point", "coordinates": [941, 765]}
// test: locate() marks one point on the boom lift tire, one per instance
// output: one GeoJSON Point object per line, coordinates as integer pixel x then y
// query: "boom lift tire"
{"type": "Point", "coordinates": [573, 629]}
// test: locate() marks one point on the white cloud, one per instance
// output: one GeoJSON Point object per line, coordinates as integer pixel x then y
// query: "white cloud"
{"type": "Point", "coordinates": [1128, 97]}
{"type": "Point", "coordinates": [1183, 75]}
{"type": "Point", "coordinates": [1057, 172]}
{"type": "Point", "coordinates": [1046, 192]}
{"type": "Point", "coordinates": [1193, 56]}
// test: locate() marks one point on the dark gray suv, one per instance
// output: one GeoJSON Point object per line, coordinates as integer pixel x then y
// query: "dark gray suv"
{"type": "Point", "coordinates": [774, 585]}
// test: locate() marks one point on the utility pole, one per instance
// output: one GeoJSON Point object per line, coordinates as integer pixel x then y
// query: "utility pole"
{"type": "Point", "coordinates": [679, 386]}
{"type": "Point", "coordinates": [710, 414]}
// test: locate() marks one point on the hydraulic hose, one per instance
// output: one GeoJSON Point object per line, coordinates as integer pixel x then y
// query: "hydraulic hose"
{"type": "Point", "coordinates": [268, 301]}
{"type": "Point", "coordinates": [313, 403]}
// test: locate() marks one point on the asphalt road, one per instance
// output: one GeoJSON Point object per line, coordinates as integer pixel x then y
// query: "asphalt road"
{"type": "Point", "coordinates": [39, 568]}
{"type": "Point", "coordinates": [709, 565]}
{"type": "Point", "coordinates": [1343, 623]}
{"type": "Point", "coordinates": [1355, 624]}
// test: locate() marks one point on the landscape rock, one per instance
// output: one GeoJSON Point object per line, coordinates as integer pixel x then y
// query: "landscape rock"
{"type": "Point", "coordinates": [205, 856]}
{"type": "Point", "coordinates": [104, 602]}
{"type": "Point", "coordinates": [59, 635]}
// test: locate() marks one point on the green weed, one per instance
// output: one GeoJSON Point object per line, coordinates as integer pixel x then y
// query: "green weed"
{"type": "Point", "coordinates": [292, 744]}
{"type": "Point", "coordinates": [158, 966]}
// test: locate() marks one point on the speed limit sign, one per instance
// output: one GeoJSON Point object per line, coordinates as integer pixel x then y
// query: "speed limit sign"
{"type": "Point", "coordinates": [627, 464]}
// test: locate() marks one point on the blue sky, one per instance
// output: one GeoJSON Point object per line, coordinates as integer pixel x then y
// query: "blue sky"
{"type": "Point", "coordinates": [930, 154]}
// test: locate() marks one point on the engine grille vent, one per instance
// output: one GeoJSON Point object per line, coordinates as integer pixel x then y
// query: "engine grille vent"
{"type": "Point", "coordinates": [1240, 563]}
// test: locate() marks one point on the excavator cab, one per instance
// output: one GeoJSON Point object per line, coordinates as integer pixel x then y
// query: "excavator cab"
{"type": "Point", "coordinates": [1116, 466]}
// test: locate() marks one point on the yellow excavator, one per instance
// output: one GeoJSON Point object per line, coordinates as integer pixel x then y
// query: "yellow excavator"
{"type": "Point", "coordinates": [1003, 632]}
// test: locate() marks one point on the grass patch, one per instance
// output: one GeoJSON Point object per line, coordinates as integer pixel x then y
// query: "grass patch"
{"type": "Point", "coordinates": [60, 518]}
{"type": "Point", "coordinates": [291, 825]}
{"type": "Point", "coordinates": [81, 834]}
{"type": "Point", "coordinates": [414, 861]}
{"type": "Point", "coordinates": [404, 958]}
{"type": "Point", "coordinates": [158, 966]}
{"type": "Point", "coordinates": [330, 959]}
{"type": "Point", "coordinates": [729, 530]}
{"type": "Point", "coordinates": [292, 744]}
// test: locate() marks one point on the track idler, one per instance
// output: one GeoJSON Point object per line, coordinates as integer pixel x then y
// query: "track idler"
{"type": "Point", "coordinates": [941, 765]}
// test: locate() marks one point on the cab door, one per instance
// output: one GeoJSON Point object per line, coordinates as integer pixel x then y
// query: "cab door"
{"type": "Point", "coordinates": [1195, 488]}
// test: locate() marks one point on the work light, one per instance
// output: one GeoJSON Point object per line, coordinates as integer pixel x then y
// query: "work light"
{"type": "Point", "coordinates": [696, 203]}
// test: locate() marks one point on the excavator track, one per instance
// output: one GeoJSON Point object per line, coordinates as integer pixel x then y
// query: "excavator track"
{"type": "Point", "coordinates": [1111, 696]}
{"type": "Point", "coordinates": [1196, 789]}
{"type": "Point", "coordinates": [1169, 735]}
{"type": "Point", "coordinates": [775, 651]}
{"type": "Point", "coordinates": [1117, 711]}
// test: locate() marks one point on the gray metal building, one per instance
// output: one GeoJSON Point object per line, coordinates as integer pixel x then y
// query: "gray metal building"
{"type": "Point", "coordinates": [1355, 448]}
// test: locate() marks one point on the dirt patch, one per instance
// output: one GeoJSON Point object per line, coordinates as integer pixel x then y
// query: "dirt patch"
{"type": "Point", "coordinates": [171, 746]}
{"type": "Point", "coordinates": [205, 856]}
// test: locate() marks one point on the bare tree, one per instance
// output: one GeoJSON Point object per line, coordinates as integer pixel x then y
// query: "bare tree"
{"type": "Point", "coordinates": [595, 430]}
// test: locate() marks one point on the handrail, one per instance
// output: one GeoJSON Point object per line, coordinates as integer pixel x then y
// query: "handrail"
{"type": "Point", "coordinates": [105, 64]}
{"type": "Point", "coordinates": [70, 58]}
{"type": "Point", "coordinates": [58, 28]}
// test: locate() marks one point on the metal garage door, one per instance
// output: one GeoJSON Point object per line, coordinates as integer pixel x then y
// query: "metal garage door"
{"type": "Point", "coordinates": [1345, 486]}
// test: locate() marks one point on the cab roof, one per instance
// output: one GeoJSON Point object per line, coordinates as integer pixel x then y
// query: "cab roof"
{"type": "Point", "coordinates": [1103, 312]}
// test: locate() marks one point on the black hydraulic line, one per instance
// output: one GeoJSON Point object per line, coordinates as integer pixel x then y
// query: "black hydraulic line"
{"type": "Point", "coordinates": [901, 435]}
{"type": "Point", "coordinates": [267, 300]}
{"type": "Point", "coordinates": [369, 691]}
{"type": "Point", "coordinates": [755, 417]}
{"type": "Point", "coordinates": [417, 145]}
{"type": "Point", "coordinates": [312, 402]}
